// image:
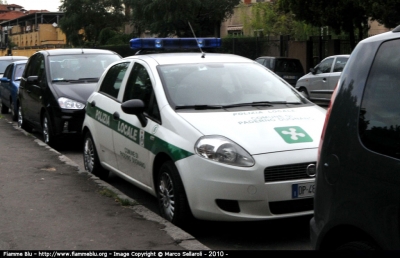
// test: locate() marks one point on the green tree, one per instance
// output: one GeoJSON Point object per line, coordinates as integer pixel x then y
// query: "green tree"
{"type": "Point", "coordinates": [349, 16]}
{"type": "Point", "coordinates": [385, 12]}
{"type": "Point", "coordinates": [272, 21]}
{"type": "Point", "coordinates": [83, 20]}
{"type": "Point", "coordinates": [172, 17]}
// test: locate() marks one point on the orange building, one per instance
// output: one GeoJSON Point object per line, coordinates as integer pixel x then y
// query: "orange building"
{"type": "Point", "coordinates": [24, 32]}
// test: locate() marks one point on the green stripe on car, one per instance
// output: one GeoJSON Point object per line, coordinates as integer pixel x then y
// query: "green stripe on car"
{"type": "Point", "coordinates": [148, 141]}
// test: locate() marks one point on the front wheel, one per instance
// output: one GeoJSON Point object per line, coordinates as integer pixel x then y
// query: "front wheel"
{"type": "Point", "coordinates": [47, 131]}
{"type": "Point", "coordinates": [91, 160]}
{"type": "Point", "coordinates": [171, 195]}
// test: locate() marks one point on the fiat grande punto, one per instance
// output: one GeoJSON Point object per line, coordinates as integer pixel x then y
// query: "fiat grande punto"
{"type": "Point", "coordinates": [212, 136]}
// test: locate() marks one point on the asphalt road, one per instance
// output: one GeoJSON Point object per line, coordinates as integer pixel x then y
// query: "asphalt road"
{"type": "Point", "coordinates": [282, 234]}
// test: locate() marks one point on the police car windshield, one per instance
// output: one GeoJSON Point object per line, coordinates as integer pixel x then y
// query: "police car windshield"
{"type": "Point", "coordinates": [69, 68]}
{"type": "Point", "coordinates": [224, 84]}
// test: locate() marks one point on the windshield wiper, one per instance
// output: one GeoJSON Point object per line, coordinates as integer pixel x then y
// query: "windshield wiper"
{"type": "Point", "coordinates": [283, 102]}
{"type": "Point", "coordinates": [89, 79]}
{"type": "Point", "coordinates": [199, 107]}
{"type": "Point", "coordinates": [252, 104]}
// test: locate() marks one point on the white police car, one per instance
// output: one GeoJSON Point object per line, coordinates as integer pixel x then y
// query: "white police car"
{"type": "Point", "coordinates": [216, 136]}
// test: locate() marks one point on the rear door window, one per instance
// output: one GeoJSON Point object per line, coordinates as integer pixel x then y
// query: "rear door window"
{"type": "Point", "coordinates": [379, 119]}
{"type": "Point", "coordinates": [339, 64]}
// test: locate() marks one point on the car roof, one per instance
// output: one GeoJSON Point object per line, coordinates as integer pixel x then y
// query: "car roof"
{"type": "Point", "coordinates": [13, 57]}
{"type": "Point", "coordinates": [337, 56]}
{"type": "Point", "coordinates": [193, 58]}
{"type": "Point", "coordinates": [276, 57]}
{"type": "Point", "coordinates": [20, 62]}
{"type": "Point", "coordinates": [75, 51]}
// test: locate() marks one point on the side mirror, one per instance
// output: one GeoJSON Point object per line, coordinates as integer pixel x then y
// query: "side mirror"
{"type": "Point", "coordinates": [135, 107]}
{"type": "Point", "coordinates": [33, 79]}
{"type": "Point", "coordinates": [312, 70]}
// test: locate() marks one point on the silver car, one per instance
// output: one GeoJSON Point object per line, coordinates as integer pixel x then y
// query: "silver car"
{"type": "Point", "coordinates": [319, 83]}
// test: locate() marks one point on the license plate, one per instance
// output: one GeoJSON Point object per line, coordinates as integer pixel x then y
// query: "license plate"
{"type": "Point", "coordinates": [303, 190]}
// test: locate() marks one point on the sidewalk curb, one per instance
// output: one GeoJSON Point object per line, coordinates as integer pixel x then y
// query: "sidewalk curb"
{"type": "Point", "coordinates": [182, 238]}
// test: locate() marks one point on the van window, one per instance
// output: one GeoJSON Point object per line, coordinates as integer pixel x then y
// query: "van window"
{"type": "Point", "coordinates": [379, 120]}
{"type": "Point", "coordinates": [288, 65]}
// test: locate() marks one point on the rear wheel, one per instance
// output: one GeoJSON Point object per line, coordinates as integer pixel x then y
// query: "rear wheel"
{"type": "Point", "coordinates": [4, 108]}
{"type": "Point", "coordinates": [91, 160]}
{"type": "Point", "coordinates": [14, 111]}
{"type": "Point", "coordinates": [21, 121]}
{"type": "Point", "coordinates": [171, 195]}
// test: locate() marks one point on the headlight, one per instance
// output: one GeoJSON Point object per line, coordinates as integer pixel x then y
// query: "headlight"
{"type": "Point", "coordinates": [221, 149]}
{"type": "Point", "coordinates": [70, 104]}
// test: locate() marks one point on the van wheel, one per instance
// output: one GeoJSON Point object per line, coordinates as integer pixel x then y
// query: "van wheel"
{"type": "Point", "coordinates": [171, 195]}
{"type": "Point", "coordinates": [91, 160]}
{"type": "Point", "coordinates": [304, 92]}
{"type": "Point", "coordinates": [21, 121]}
{"type": "Point", "coordinates": [3, 109]}
{"type": "Point", "coordinates": [357, 245]}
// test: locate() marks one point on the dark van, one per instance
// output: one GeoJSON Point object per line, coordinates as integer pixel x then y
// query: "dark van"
{"type": "Point", "coordinates": [290, 69]}
{"type": "Point", "coordinates": [357, 199]}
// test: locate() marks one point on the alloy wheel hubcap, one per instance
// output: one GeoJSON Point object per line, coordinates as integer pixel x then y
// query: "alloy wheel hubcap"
{"type": "Point", "coordinates": [88, 154]}
{"type": "Point", "coordinates": [167, 198]}
{"type": "Point", "coordinates": [45, 130]}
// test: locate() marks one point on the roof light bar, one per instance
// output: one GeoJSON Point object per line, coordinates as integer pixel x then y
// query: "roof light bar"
{"type": "Point", "coordinates": [174, 43]}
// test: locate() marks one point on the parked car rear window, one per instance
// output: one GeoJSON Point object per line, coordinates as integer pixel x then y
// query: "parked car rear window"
{"type": "Point", "coordinates": [379, 122]}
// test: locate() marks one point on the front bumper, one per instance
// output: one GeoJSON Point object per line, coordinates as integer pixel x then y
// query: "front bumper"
{"type": "Point", "coordinates": [67, 122]}
{"type": "Point", "coordinates": [221, 192]}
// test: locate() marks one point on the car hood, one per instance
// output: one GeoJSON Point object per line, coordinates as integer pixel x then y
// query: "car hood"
{"type": "Point", "coordinates": [75, 91]}
{"type": "Point", "coordinates": [264, 131]}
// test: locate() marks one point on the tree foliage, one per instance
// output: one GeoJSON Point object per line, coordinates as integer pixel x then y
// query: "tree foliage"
{"type": "Point", "coordinates": [272, 21]}
{"type": "Point", "coordinates": [346, 16]}
{"type": "Point", "coordinates": [385, 12]}
{"type": "Point", "coordinates": [83, 20]}
{"type": "Point", "coordinates": [172, 17]}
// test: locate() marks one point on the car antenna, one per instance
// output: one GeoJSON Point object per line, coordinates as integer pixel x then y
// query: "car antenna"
{"type": "Point", "coordinates": [202, 53]}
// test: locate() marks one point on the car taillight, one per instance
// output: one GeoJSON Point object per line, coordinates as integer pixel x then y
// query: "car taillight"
{"type": "Point", "coordinates": [328, 113]}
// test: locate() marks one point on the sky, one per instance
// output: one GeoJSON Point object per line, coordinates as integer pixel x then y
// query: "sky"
{"type": "Point", "coordinates": [49, 5]}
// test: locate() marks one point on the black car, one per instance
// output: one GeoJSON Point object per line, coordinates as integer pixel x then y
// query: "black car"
{"type": "Point", "coordinates": [290, 69]}
{"type": "Point", "coordinates": [357, 199]}
{"type": "Point", "coordinates": [54, 89]}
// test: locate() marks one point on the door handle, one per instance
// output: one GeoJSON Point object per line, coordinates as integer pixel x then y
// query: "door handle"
{"type": "Point", "coordinates": [324, 80]}
{"type": "Point", "coordinates": [116, 116]}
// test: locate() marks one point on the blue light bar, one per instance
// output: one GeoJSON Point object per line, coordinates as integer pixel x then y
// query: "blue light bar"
{"type": "Point", "coordinates": [174, 43]}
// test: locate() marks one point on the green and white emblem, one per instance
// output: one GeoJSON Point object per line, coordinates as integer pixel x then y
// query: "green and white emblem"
{"type": "Point", "coordinates": [293, 134]}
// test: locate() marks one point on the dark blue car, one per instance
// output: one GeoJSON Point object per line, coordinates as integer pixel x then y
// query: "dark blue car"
{"type": "Point", "coordinates": [9, 85]}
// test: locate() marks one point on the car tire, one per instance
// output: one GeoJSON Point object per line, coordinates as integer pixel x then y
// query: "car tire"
{"type": "Point", "coordinates": [91, 159]}
{"type": "Point", "coordinates": [47, 131]}
{"type": "Point", "coordinates": [357, 245]}
{"type": "Point", "coordinates": [14, 111]}
{"type": "Point", "coordinates": [172, 200]}
{"type": "Point", "coordinates": [304, 92]}
{"type": "Point", "coordinates": [4, 108]}
{"type": "Point", "coordinates": [22, 122]}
